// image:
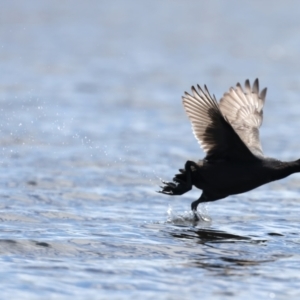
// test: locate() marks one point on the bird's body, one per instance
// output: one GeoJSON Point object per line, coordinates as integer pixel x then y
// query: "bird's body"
{"type": "Point", "coordinates": [229, 134]}
{"type": "Point", "coordinates": [221, 179]}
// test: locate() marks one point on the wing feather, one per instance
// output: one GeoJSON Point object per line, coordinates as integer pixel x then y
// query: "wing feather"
{"type": "Point", "coordinates": [211, 128]}
{"type": "Point", "coordinates": [244, 111]}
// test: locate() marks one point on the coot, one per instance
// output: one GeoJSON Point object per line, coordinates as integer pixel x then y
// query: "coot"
{"type": "Point", "coordinates": [228, 132]}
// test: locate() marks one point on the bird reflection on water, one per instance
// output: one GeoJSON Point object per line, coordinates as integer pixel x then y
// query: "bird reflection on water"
{"type": "Point", "coordinates": [217, 257]}
{"type": "Point", "coordinates": [205, 235]}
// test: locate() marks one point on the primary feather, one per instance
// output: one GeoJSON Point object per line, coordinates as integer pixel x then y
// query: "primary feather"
{"type": "Point", "coordinates": [218, 128]}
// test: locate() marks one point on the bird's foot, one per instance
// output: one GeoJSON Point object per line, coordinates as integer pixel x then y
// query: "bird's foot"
{"type": "Point", "coordinates": [178, 187]}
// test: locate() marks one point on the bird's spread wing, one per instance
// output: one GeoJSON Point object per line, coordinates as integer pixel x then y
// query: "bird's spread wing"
{"type": "Point", "coordinates": [214, 133]}
{"type": "Point", "coordinates": [244, 111]}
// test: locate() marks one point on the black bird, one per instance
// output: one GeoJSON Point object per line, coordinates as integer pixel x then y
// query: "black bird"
{"type": "Point", "coordinates": [229, 134]}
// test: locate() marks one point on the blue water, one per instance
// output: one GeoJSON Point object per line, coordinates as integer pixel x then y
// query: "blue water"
{"type": "Point", "coordinates": [91, 119]}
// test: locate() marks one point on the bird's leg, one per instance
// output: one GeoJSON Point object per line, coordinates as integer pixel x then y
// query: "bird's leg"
{"type": "Point", "coordinates": [195, 204]}
{"type": "Point", "coordinates": [188, 171]}
{"type": "Point", "coordinates": [205, 198]}
{"type": "Point", "coordinates": [181, 186]}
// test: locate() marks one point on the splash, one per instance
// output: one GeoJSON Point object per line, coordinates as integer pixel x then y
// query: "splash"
{"type": "Point", "coordinates": [188, 217]}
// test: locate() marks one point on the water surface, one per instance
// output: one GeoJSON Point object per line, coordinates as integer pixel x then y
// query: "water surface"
{"type": "Point", "coordinates": [91, 119]}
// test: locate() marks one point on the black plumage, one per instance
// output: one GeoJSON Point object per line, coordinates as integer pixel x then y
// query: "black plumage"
{"type": "Point", "coordinates": [229, 134]}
